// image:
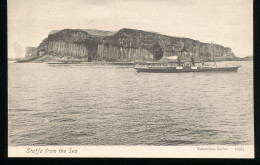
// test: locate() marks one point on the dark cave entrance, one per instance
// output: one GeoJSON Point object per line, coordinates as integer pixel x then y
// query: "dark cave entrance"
{"type": "Point", "coordinates": [158, 55]}
{"type": "Point", "coordinates": [157, 52]}
{"type": "Point", "coordinates": [89, 59]}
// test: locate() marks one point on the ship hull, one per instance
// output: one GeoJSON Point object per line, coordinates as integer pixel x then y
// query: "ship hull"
{"type": "Point", "coordinates": [174, 70]}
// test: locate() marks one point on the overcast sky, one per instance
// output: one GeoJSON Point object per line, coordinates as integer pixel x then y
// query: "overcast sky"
{"type": "Point", "coordinates": [225, 22]}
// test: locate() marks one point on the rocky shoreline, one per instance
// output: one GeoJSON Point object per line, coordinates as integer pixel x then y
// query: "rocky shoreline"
{"type": "Point", "coordinates": [62, 60]}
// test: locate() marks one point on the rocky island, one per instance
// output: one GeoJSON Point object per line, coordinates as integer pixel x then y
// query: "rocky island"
{"type": "Point", "coordinates": [125, 45]}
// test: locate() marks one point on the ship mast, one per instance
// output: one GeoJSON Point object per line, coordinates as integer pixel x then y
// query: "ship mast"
{"type": "Point", "coordinates": [213, 55]}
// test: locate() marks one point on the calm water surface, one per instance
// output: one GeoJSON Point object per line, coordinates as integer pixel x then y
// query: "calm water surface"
{"type": "Point", "coordinates": [81, 104]}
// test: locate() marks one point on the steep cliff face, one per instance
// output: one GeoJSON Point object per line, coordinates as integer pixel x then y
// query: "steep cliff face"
{"type": "Point", "coordinates": [127, 45]}
{"type": "Point", "coordinates": [71, 49]}
{"type": "Point", "coordinates": [115, 53]}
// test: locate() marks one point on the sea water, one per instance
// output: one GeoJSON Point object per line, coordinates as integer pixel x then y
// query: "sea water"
{"type": "Point", "coordinates": [81, 104]}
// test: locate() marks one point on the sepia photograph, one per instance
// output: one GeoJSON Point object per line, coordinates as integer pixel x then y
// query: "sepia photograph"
{"type": "Point", "coordinates": [130, 78]}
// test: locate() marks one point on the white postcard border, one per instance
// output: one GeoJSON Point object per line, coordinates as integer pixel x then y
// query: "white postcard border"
{"type": "Point", "coordinates": [199, 151]}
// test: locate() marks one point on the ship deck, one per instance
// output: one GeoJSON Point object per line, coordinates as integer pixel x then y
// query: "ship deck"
{"type": "Point", "coordinates": [175, 70]}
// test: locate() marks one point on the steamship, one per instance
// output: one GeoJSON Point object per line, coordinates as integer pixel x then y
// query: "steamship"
{"type": "Point", "coordinates": [185, 67]}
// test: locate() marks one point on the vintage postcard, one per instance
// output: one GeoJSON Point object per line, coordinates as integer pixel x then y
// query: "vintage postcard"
{"type": "Point", "coordinates": [130, 78]}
